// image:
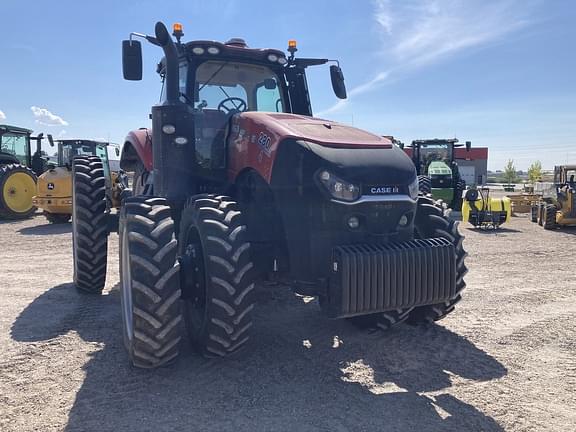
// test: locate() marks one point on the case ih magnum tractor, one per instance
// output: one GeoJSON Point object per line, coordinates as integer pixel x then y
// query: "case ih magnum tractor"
{"type": "Point", "coordinates": [236, 182]}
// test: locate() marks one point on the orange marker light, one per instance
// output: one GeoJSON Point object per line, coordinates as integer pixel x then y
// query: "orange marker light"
{"type": "Point", "coordinates": [177, 28]}
{"type": "Point", "coordinates": [291, 43]}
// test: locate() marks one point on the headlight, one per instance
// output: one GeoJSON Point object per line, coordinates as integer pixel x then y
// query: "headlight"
{"type": "Point", "coordinates": [338, 188]}
{"type": "Point", "coordinates": [413, 189]}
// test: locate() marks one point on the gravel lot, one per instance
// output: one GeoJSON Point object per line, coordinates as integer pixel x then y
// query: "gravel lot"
{"type": "Point", "coordinates": [505, 360]}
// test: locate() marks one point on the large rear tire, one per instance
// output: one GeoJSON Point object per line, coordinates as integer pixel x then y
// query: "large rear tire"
{"type": "Point", "coordinates": [431, 222]}
{"type": "Point", "coordinates": [457, 201]}
{"type": "Point", "coordinates": [541, 217]}
{"type": "Point", "coordinates": [550, 217]}
{"type": "Point", "coordinates": [17, 187]}
{"type": "Point", "coordinates": [89, 224]}
{"type": "Point", "coordinates": [534, 213]}
{"type": "Point", "coordinates": [57, 218]}
{"type": "Point", "coordinates": [149, 279]}
{"type": "Point", "coordinates": [218, 275]}
{"type": "Point", "coordinates": [383, 321]}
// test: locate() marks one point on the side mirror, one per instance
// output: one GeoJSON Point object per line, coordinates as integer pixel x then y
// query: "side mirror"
{"type": "Point", "coordinates": [132, 60]}
{"type": "Point", "coordinates": [117, 151]}
{"type": "Point", "coordinates": [338, 85]}
{"type": "Point", "coordinates": [51, 140]}
{"type": "Point", "coordinates": [468, 145]}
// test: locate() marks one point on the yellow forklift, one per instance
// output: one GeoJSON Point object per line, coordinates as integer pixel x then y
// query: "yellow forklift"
{"type": "Point", "coordinates": [54, 190]}
{"type": "Point", "coordinates": [558, 210]}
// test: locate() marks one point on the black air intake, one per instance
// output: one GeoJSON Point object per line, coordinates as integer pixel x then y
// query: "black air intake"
{"type": "Point", "coordinates": [370, 278]}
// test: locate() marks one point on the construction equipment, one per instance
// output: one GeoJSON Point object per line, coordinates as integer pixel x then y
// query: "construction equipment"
{"type": "Point", "coordinates": [437, 169]}
{"type": "Point", "coordinates": [19, 169]}
{"type": "Point", "coordinates": [483, 211]}
{"type": "Point", "coordinates": [557, 208]}
{"type": "Point", "coordinates": [54, 188]}
{"type": "Point", "coordinates": [242, 184]}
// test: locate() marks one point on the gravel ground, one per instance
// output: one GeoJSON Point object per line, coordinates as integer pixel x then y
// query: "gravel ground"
{"type": "Point", "coordinates": [505, 360]}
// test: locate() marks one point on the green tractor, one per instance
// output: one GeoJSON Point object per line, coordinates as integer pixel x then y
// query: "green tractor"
{"type": "Point", "coordinates": [19, 169]}
{"type": "Point", "coordinates": [437, 169]}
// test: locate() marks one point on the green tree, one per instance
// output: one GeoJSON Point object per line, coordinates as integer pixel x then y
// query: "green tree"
{"type": "Point", "coordinates": [535, 172]}
{"type": "Point", "coordinates": [509, 174]}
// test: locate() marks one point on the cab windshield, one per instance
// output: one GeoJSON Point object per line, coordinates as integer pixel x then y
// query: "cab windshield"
{"type": "Point", "coordinates": [222, 89]}
{"type": "Point", "coordinates": [16, 145]}
{"type": "Point", "coordinates": [435, 152]}
{"type": "Point", "coordinates": [70, 149]}
{"type": "Point", "coordinates": [227, 86]}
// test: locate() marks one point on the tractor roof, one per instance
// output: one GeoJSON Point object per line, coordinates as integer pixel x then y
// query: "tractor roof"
{"type": "Point", "coordinates": [234, 48]}
{"type": "Point", "coordinates": [16, 129]}
{"type": "Point", "coordinates": [81, 141]}
{"type": "Point", "coordinates": [437, 141]}
{"type": "Point", "coordinates": [567, 167]}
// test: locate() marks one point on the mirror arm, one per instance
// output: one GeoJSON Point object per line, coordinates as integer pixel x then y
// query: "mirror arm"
{"type": "Point", "coordinates": [150, 39]}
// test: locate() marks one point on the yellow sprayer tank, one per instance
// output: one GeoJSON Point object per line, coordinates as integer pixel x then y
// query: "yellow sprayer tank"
{"type": "Point", "coordinates": [484, 211]}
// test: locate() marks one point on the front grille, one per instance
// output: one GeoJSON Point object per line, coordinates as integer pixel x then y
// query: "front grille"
{"type": "Point", "coordinates": [377, 278]}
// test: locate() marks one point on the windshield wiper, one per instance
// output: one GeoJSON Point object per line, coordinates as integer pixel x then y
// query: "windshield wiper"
{"type": "Point", "coordinates": [212, 77]}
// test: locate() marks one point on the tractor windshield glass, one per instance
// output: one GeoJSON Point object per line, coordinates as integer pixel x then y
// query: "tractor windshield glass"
{"type": "Point", "coordinates": [16, 145]}
{"type": "Point", "coordinates": [222, 89]}
{"type": "Point", "coordinates": [220, 84]}
{"type": "Point", "coordinates": [435, 152]}
{"type": "Point", "coordinates": [74, 148]}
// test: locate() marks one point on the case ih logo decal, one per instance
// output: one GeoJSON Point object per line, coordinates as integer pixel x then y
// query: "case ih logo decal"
{"type": "Point", "coordinates": [264, 143]}
{"type": "Point", "coordinates": [384, 190]}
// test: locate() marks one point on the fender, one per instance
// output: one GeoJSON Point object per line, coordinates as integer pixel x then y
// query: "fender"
{"type": "Point", "coordinates": [137, 146]}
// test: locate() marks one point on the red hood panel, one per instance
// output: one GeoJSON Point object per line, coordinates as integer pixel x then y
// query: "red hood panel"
{"type": "Point", "coordinates": [323, 132]}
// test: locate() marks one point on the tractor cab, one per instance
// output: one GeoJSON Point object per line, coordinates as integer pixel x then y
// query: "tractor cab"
{"type": "Point", "coordinates": [18, 171]}
{"type": "Point", "coordinates": [435, 163]}
{"type": "Point", "coordinates": [68, 149]}
{"type": "Point", "coordinates": [16, 147]}
{"type": "Point", "coordinates": [206, 84]}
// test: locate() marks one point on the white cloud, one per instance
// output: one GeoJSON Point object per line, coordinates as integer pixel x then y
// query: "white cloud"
{"type": "Point", "coordinates": [417, 33]}
{"type": "Point", "coordinates": [46, 118]}
{"type": "Point", "coordinates": [62, 133]}
{"type": "Point", "coordinates": [2, 116]}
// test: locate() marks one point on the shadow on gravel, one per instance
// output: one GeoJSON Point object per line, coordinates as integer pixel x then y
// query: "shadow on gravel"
{"type": "Point", "coordinates": [564, 230]}
{"type": "Point", "coordinates": [47, 229]}
{"type": "Point", "coordinates": [501, 230]}
{"type": "Point", "coordinates": [302, 372]}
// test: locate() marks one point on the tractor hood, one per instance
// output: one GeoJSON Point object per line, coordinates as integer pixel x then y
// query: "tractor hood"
{"type": "Point", "coordinates": [439, 168]}
{"type": "Point", "coordinates": [373, 167]}
{"type": "Point", "coordinates": [264, 140]}
{"type": "Point", "coordinates": [324, 132]}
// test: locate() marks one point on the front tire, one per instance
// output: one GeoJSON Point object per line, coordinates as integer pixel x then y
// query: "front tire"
{"type": "Point", "coordinates": [424, 184]}
{"type": "Point", "coordinates": [218, 275]}
{"type": "Point", "coordinates": [431, 222]}
{"type": "Point", "coordinates": [149, 280]}
{"type": "Point", "coordinates": [89, 224]}
{"type": "Point", "coordinates": [549, 217]}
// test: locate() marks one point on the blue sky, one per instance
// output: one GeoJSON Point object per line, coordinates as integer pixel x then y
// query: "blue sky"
{"type": "Point", "coordinates": [499, 73]}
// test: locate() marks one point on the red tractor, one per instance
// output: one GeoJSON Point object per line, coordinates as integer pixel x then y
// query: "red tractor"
{"type": "Point", "coordinates": [237, 182]}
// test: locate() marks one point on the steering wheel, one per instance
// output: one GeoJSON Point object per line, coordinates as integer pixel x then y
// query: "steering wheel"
{"type": "Point", "coordinates": [232, 105]}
